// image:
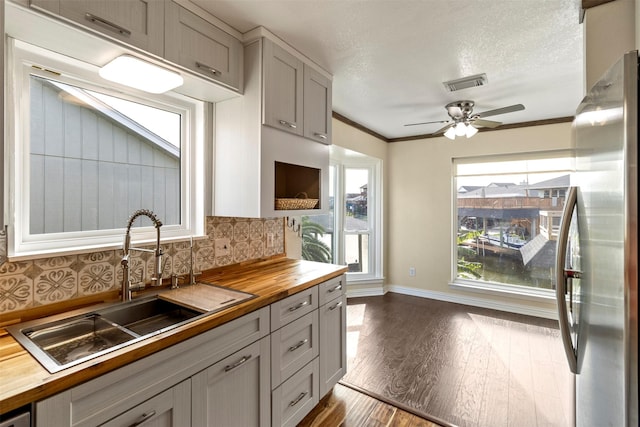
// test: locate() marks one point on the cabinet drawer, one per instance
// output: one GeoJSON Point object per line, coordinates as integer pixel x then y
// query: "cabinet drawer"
{"type": "Point", "coordinates": [332, 289]}
{"type": "Point", "coordinates": [202, 47]}
{"type": "Point", "coordinates": [293, 307]}
{"type": "Point", "coordinates": [293, 346]}
{"type": "Point", "coordinates": [296, 396]}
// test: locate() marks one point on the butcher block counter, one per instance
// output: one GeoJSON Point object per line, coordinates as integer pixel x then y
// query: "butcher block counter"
{"type": "Point", "coordinates": [23, 380]}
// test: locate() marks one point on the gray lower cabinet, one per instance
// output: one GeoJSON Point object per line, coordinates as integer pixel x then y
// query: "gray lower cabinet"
{"type": "Point", "coordinates": [333, 332]}
{"type": "Point", "coordinates": [234, 391]}
{"type": "Point", "coordinates": [333, 342]}
{"type": "Point", "coordinates": [268, 367]}
{"type": "Point", "coordinates": [171, 408]}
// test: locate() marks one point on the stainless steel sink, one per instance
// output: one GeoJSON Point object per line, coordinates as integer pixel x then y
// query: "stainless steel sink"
{"type": "Point", "coordinates": [59, 342]}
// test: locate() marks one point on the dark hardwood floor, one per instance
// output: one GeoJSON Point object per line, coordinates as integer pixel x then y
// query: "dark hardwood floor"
{"type": "Point", "coordinates": [346, 407]}
{"type": "Point", "coordinates": [465, 365]}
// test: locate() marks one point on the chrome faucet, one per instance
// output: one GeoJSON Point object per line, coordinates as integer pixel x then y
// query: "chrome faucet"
{"type": "Point", "coordinates": [156, 279]}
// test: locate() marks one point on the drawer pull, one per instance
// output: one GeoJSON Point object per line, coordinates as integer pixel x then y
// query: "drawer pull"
{"type": "Point", "coordinates": [320, 135]}
{"type": "Point", "coordinates": [299, 306]}
{"type": "Point", "coordinates": [238, 363]}
{"type": "Point", "coordinates": [336, 305]}
{"type": "Point", "coordinates": [207, 68]}
{"type": "Point", "coordinates": [288, 124]}
{"type": "Point", "coordinates": [297, 346]}
{"type": "Point", "coordinates": [143, 418]}
{"type": "Point", "coordinates": [109, 25]}
{"type": "Point", "coordinates": [336, 288]}
{"type": "Point", "coordinates": [295, 401]}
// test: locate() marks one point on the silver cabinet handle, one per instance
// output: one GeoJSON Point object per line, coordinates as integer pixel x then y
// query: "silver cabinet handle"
{"type": "Point", "coordinates": [288, 124]}
{"type": "Point", "coordinates": [299, 306]}
{"type": "Point", "coordinates": [336, 305]}
{"type": "Point", "coordinates": [238, 363]}
{"type": "Point", "coordinates": [561, 279]}
{"type": "Point", "coordinates": [107, 24]}
{"type": "Point", "coordinates": [143, 418]}
{"type": "Point", "coordinates": [207, 68]}
{"type": "Point", "coordinates": [336, 288]}
{"type": "Point", "coordinates": [320, 135]}
{"type": "Point", "coordinates": [295, 401]}
{"type": "Point", "coordinates": [297, 346]}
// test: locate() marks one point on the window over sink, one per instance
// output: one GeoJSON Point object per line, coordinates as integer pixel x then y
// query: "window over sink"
{"type": "Point", "coordinates": [86, 153]}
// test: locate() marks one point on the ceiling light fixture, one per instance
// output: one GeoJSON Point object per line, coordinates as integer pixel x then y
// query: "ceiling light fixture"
{"type": "Point", "coordinates": [137, 73]}
{"type": "Point", "coordinates": [460, 129]}
{"type": "Point", "coordinates": [450, 133]}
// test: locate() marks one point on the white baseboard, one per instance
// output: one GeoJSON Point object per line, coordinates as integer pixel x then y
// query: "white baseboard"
{"type": "Point", "coordinates": [370, 288]}
{"type": "Point", "coordinates": [513, 307]}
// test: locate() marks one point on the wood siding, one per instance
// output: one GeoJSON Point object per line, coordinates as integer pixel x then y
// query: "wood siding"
{"type": "Point", "coordinates": [89, 172]}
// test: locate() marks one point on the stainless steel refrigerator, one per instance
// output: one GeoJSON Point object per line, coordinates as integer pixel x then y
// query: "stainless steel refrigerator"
{"type": "Point", "coordinates": [597, 264]}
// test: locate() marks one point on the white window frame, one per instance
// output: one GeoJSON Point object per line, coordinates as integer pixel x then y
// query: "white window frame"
{"type": "Point", "coordinates": [22, 58]}
{"type": "Point", "coordinates": [343, 159]}
{"type": "Point", "coordinates": [486, 287]}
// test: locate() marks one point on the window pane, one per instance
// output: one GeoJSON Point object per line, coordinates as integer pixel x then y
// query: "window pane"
{"type": "Point", "coordinates": [96, 158]}
{"type": "Point", "coordinates": [356, 252]}
{"type": "Point", "coordinates": [507, 229]}
{"type": "Point", "coordinates": [356, 208]}
{"type": "Point", "coordinates": [318, 230]}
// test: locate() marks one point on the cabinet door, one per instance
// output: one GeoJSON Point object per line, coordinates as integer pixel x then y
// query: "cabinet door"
{"type": "Point", "coordinates": [234, 391]}
{"type": "Point", "coordinates": [317, 106]}
{"type": "Point", "coordinates": [171, 408]}
{"type": "Point", "coordinates": [333, 343]}
{"type": "Point", "coordinates": [201, 47]}
{"type": "Point", "coordinates": [139, 23]}
{"type": "Point", "coordinates": [283, 86]}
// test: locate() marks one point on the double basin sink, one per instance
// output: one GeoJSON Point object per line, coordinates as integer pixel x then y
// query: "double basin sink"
{"type": "Point", "coordinates": [65, 340]}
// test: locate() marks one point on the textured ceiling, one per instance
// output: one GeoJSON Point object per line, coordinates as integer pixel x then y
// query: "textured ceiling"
{"type": "Point", "coordinates": [389, 58]}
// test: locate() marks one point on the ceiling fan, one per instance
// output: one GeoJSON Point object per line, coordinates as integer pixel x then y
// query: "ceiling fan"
{"type": "Point", "coordinates": [464, 122]}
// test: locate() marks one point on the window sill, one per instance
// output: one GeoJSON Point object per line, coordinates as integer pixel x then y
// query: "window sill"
{"type": "Point", "coordinates": [497, 289]}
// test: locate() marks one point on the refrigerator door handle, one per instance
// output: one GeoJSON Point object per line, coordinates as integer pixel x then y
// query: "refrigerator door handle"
{"type": "Point", "coordinates": [561, 279]}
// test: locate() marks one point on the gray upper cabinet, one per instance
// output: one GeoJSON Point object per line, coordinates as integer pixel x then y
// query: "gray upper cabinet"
{"type": "Point", "coordinates": [317, 106]}
{"type": "Point", "coordinates": [198, 45]}
{"type": "Point", "coordinates": [283, 86]}
{"type": "Point", "coordinates": [139, 23]}
{"type": "Point", "coordinates": [297, 97]}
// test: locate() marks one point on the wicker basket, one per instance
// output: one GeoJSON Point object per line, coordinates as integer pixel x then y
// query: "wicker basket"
{"type": "Point", "coordinates": [301, 201]}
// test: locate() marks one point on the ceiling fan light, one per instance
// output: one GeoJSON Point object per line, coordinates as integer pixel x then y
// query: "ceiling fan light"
{"type": "Point", "coordinates": [450, 133]}
{"type": "Point", "coordinates": [461, 129]}
{"type": "Point", "coordinates": [134, 72]}
{"type": "Point", "coordinates": [471, 131]}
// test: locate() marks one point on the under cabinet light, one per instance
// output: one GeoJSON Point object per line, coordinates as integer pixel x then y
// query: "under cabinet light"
{"type": "Point", "coordinates": [134, 72]}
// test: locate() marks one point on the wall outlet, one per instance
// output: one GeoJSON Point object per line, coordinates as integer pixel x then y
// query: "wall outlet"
{"type": "Point", "coordinates": [270, 240]}
{"type": "Point", "coordinates": [412, 271]}
{"type": "Point", "coordinates": [222, 247]}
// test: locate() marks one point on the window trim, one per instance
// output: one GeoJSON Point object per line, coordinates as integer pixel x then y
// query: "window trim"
{"type": "Point", "coordinates": [22, 245]}
{"type": "Point", "coordinates": [341, 160]}
{"type": "Point", "coordinates": [489, 287]}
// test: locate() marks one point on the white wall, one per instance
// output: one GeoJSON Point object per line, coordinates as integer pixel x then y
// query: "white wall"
{"type": "Point", "coordinates": [420, 201]}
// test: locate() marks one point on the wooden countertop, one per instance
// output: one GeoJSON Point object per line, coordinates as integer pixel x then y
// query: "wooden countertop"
{"type": "Point", "coordinates": [23, 380]}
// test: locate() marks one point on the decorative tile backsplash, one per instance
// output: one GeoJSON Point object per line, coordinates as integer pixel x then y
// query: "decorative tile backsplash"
{"type": "Point", "coordinates": [28, 284]}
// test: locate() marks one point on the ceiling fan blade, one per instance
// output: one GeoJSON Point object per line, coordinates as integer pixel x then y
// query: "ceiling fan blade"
{"type": "Point", "coordinates": [503, 110]}
{"type": "Point", "coordinates": [486, 123]}
{"type": "Point", "coordinates": [426, 123]}
{"type": "Point", "coordinates": [443, 129]}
